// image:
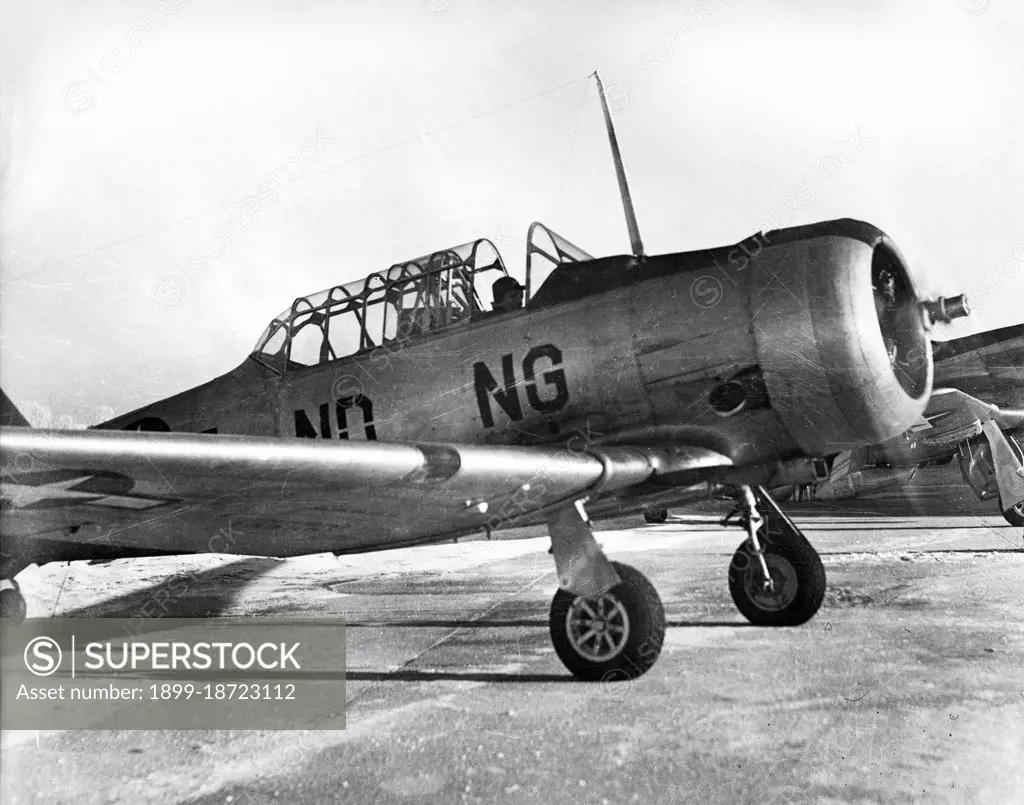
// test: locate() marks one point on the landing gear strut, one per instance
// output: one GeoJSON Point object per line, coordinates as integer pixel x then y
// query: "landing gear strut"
{"type": "Point", "coordinates": [12, 602]}
{"type": "Point", "coordinates": [776, 578]}
{"type": "Point", "coordinates": [607, 622]}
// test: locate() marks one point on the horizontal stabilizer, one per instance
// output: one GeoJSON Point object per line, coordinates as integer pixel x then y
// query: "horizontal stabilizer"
{"type": "Point", "coordinates": [953, 416]}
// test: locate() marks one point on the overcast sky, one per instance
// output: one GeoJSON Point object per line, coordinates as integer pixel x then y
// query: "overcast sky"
{"type": "Point", "coordinates": [134, 131]}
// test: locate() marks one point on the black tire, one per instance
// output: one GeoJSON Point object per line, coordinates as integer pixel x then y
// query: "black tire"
{"type": "Point", "coordinates": [799, 576]}
{"type": "Point", "coordinates": [634, 604]}
{"type": "Point", "coordinates": [656, 515]}
{"type": "Point", "coordinates": [1014, 515]}
{"type": "Point", "coordinates": [12, 605]}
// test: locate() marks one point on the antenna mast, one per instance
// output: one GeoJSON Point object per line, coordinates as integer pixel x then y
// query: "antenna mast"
{"type": "Point", "coordinates": [620, 174]}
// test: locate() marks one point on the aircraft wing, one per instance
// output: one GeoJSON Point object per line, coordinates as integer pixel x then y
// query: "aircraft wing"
{"type": "Point", "coordinates": [104, 494]}
{"type": "Point", "coordinates": [953, 416]}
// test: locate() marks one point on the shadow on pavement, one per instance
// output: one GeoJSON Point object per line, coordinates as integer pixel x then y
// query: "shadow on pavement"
{"type": "Point", "coordinates": [500, 624]}
{"type": "Point", "coordinates": [412, 675]}
{"type": "Point", "coordinates": [184, 595]}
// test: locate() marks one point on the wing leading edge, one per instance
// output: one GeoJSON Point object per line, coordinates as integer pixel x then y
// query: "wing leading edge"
{"type": "Point", "coordinates": [192, 493]}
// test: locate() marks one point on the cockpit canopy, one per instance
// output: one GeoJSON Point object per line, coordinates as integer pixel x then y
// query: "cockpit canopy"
{"type": "Point", "coordinates": [426, 295]}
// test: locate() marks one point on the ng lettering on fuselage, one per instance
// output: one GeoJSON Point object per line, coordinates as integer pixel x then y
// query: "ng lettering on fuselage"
{"type": "Point", "coordinates": [546, 395]}
{"type": "Point", "coordinates": [343, 408]}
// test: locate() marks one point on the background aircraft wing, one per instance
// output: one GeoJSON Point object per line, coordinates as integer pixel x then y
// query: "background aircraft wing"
{"type": "Point", "coordinates": [102, 494]}
{"type": "Point", "coordinates": [952, 416]}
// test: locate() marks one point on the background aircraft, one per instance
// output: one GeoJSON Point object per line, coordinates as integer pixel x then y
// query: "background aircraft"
{"type": "Point", "coordinates": [395, 410]}
{"type": "Point", "coordinates": [977, 379]}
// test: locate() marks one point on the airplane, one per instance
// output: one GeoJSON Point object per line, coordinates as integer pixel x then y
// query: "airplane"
{"type": "Point", "coordinates": [977, 378]}
{"type": "Point", "coordinates": [395, 410]}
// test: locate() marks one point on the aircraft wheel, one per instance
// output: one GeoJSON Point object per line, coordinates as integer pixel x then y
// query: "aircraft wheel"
{"type": "Point", "coordinates": [12, 604]}
{"type": "Point", "coordinates": [799, 583]}
{"type": "Point", "coordinates": [613, 636]}
{"type": "Point", "coordinates": [1014, 515]}
{"type": "Point", "coordinates": [656, 515]}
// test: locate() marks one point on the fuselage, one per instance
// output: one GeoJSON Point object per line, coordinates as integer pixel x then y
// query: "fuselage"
{"type": "Point", "coordinates": [613, 351]}
{"type": "Point", "coordinates": [620, 363]}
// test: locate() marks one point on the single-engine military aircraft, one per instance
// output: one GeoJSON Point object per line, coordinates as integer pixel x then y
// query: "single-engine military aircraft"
{"type": "Point", "coordinates": [396, 411]}
{"type": "Point", "coordinates": [978, 379]}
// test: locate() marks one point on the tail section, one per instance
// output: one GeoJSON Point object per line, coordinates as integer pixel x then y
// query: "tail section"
{"type": "Point", "coordinates": [944, 350]}
{"type": "Point", "coordinates": [9, 414]}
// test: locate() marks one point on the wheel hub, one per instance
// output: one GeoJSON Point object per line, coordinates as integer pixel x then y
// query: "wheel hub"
{"type": "Point", "coordinates": [597, 627]}
{"type": "Point", "coordinates": [779, 590]}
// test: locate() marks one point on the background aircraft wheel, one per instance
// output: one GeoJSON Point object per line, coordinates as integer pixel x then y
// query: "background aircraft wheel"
{"type": "Point", "coordinates": [12, 604]}
{"type": "Point", "coordinates": [1014, 515]}
{"type": "Point", "coordinates": [799, 578]}
{"type": "Point", "coordinates": [613, 636]}
{"type": "Point", "coordinates": [656, 515]}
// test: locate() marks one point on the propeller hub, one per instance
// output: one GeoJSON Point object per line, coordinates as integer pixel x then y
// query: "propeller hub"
{"type": "Point", "coordinates": [946, 308]}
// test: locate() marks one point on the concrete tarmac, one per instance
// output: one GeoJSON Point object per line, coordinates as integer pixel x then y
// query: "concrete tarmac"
{"type": "Point", "coordinates": [908, 686]}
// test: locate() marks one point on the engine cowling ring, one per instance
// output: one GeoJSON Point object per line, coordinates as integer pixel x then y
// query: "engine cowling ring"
{"type": "Point", "coordinates": [841, 339]}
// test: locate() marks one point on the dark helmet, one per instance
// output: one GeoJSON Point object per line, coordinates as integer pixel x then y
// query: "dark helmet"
{"type": "Point", "coordinates": [504, 285]}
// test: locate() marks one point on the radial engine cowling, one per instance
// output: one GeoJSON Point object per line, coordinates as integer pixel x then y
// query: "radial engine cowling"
{"type": "Point", "coordinates": [841, 338]}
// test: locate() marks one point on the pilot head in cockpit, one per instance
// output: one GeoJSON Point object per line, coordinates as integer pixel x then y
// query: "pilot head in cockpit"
{"type": "Point", "coordinates": [508, 295]}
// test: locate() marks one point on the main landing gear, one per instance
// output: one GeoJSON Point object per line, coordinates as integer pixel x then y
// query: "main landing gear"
{"type": "Point", "coordinates": [12, 602]}
{"type": "Point", "coordinates": [776, 578]}
{"type": "Point", "coordinates": [979, 469]}
{"type": "Point", "coordinates": [607, 622]}
{"type": "Point", "coordinates": [1013, 515]}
